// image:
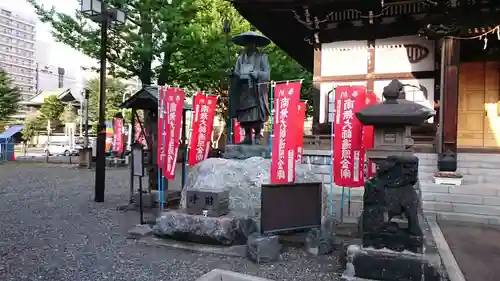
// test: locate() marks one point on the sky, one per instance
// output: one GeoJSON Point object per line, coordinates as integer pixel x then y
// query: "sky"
{"type": "Point", "coordinates": [58, 54]}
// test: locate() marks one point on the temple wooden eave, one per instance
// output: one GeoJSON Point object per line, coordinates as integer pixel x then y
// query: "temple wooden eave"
{"type": "Point", "coordinates": [276, 18]}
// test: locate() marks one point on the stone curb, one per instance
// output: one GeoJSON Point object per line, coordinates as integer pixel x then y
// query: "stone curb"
{"type": "Point", "coordinates": [233, 251]}
{"type": "Point", "coordinates": [451, 265]}
{"type": "Point", "coordinates": [219, 274]}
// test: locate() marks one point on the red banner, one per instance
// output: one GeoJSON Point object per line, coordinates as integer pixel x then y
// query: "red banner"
{"type": "Point", "coordinates": [238, 132]}
{"type": "Point", "coordinates": [203, 123]}
{"type": "Point", "coordinates": [160, 149]}
{"type": "Point", "coordinates": [301, 118]}
{"type": "Point", "coordinates": [348, 154]}
{"type": "Point", "coordinates": [368, 135]}
{"type": "Point", "coordinates": [139, 136]}
{"type": "Point", "coordinates": [118, 136]}
{"type": "Point", "coordinates": [283, 157]}
{"type": "Point", "coordinates": [174, 105]}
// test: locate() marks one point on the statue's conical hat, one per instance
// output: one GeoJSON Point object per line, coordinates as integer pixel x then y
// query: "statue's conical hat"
{"type": "Point", "coordinates": [246, 38]}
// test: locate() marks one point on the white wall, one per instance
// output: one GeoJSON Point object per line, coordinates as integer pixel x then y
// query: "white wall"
{"type": "Point", "coordinates": [392, 55]}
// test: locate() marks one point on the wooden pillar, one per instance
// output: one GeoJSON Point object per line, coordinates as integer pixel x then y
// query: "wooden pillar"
{"type": "Point", "coordinates": [370, 82]}
{"type": "Point", "coordinates": [449, 99]}
{"type": "Point", "coordinates": [316, 94]}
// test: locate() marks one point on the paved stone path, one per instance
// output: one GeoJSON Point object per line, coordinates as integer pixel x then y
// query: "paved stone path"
{"type": "Point", "coordinates": [476, 249]}
{"type": "Point", "coordinates": [51, 229]}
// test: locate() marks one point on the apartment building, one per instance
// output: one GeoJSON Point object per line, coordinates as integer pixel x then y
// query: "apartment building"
{"type": "Point", "coordinates": [17, 51]}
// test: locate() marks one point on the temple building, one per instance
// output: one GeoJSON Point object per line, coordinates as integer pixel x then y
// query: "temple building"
{"type": "Point", "coordinates": [446, 53]}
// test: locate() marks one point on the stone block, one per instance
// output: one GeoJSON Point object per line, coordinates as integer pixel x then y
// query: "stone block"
{"type": "Point", "coordinates": [435, 188]}
{"type": "Point", "coordinates": [437, 206]}
{"type": "Point", "coordinates": [322, 241]}
{"type": "Point", "coordinates": [240, 151]}
{"type": "Point", "coordinates": [450, 216]}
{"type": "Point", "coordinates": [387, 265]}
{"type": "Point", "coordinates": [148, 200]}
{"type": "Point", "coordinates": [263, 249]}
{"type": "Point", "coordinates": [476, 209]}
{"type": "Point", "coordinates": [218, 275]}
{"type": "Point", "coordinates": [477, 189]}
{"type": "Point", "coordinates": [492, 201]}
{"type": "Point", "coordinates": [225, 230]}
{"type": "Point", "coordinates": [458, 198]}
{"type": "Point", "coordinates": [214, 202]}
{"type": "Point", "coordinates": [140, 230]}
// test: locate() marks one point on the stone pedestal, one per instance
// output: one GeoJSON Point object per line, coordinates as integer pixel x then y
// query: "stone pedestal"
{"type": "Point", "coordinates": [241, 151]}
{"type": "Point", "coordinates": [393, 244]}
{"type": "Point", "coordinates": [225, 230]}
{"type": "Point", "coordinates": [85, 155]}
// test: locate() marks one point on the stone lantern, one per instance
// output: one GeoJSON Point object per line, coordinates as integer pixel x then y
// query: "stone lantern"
{"type": "Point", "coordinates": [392, 226]}
{"type": "Point", "coordinates": [392, 121]}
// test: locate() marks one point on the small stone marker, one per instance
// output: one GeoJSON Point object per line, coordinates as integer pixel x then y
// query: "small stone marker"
{"type": "Point", "coordinates": [209, 203]}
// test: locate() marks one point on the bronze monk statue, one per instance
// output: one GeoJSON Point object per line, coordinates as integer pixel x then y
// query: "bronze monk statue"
{"type": "Point", "coordinates": [248, 89]}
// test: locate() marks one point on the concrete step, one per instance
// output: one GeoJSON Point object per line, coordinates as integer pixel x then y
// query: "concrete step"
{"type": "Point", "coordinates": [462, 217]}
{"type": "Point", "coordinates": [461, 208]}
{"type": "Point", "coordinates": [478, 157]}
{"type": "Point", "coordinates": [486, 190]}
{"type": "Point", "coordinates": [461, 198]}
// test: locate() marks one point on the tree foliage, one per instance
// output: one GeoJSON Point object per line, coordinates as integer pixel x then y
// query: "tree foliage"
{"type": "Point", "coordinates": [114, 97]}
{"type": "Point", "coordinates": [32, 124]}
{"type": "Point", "coordinates": [9, 96]}
{"type": "Point", "coordinates": [68, 115]}
{"type": "Point", "coordinates": [182, 43]}
{"type": "Point", "coordinates": [52, 108]}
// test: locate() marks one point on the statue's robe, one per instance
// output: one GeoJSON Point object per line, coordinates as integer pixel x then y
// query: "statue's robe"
{"type": "Point", "coordinates": [247, 97]}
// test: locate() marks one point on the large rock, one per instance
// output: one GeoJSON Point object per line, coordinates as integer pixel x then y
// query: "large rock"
{"type": "Point", "coordinates": [224, 230]}
{"type": "Point", "coordinates": [243, 179]}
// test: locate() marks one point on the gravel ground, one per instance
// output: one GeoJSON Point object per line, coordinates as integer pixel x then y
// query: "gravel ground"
{"type": "Point", "coordinates": [51, 229]}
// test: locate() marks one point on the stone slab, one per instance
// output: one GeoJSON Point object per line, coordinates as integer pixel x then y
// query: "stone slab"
{"type": "Point", "coordinates": [233, 251]}
{"type": "Point", "coordinates": [241, 151]}
{"type": "Point", "coordinates": [219, 275]}
{"type": "Point", "coordinates": [140, 230]}
{"type": "Point", "coordinates": [225, 230]}
{"type": "Point", "coordinates": [451, 265]}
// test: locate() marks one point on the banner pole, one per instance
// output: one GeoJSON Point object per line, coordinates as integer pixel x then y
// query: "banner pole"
{"type": "Point", "coordinates": [163, 135]}
{"type": "Point", "coordinates": [331, 149]}
{"type": "Point", "coordinates": [187, 146]}
{"type": "Point", "coordinates": [349, 202]}
{"type": "Point", "coordinates": [271, 112]}
{"type": "Point", "coordinates": [159, 147]}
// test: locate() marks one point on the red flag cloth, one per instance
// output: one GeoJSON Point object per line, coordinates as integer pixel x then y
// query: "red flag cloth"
{"type": "Point", "coordinates": [238, 132]}
{"type": "Point", "coordinates": [174, 105]}
{"type": "Point", "coordinates": [161, 127]}
{"type": "Point", "coordinates": [348, 154]}
{"type": "Point", "coordinates": [283, 157]}
{"type": "Point", "coordinates": [139, 137]}
{"type": "Point", "coordinates": [368, 135]}
{"type": "Point", "coordinates": [301, 116]}
{"type": "Point", "coordinates": [119, 135]}
{"type": "Point", "coordinates": [203, 123]}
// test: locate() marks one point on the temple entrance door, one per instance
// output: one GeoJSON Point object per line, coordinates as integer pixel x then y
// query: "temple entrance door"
{"type": "Point", "coordinates": [478, 120]}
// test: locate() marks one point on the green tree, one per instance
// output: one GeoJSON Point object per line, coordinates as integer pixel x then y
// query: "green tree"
{"type": "Point", "coordinates": [114, 97]}
{"type": "Point", "coordinates": [51, 111]}
{"type": "Point", "coordinates": [153, 33]}
{"type": "Point", "coordinates": [32, 124]}
{"type": "Point", "coordinates": [9, 97]}
{"type": "Point", "coordinates": [68, 115]}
